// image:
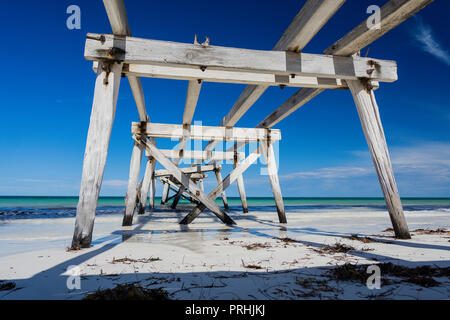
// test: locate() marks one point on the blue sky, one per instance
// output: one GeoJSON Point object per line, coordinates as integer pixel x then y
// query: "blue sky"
{"type": "Point", "coordinates": [47, 90]}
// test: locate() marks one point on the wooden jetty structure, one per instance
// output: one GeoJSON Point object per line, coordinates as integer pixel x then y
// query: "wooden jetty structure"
{"type": "Point", "coordinates": [120, 55]}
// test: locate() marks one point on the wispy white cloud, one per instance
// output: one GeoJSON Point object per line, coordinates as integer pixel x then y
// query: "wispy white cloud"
{"type": "Point", "coordinates": [330, 173]}
{"type": "Point", "coordinates": [115, 183]}
{"type": "Point", "coordinates": [26, 180]}
{"type": "Point", "coordinates": [423, 33]}
{"type": "Point", "coordinates": [429, 161]}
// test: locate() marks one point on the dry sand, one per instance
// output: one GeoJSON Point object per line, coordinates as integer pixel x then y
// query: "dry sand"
{"type": "Point", "coordinates": [258, 259]}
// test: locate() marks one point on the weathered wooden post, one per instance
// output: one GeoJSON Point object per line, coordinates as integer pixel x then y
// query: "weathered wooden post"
{"type": "Point", "coordinates": [165, 193]}
{"type": "Point", "coordinates": [152, 191]}
{"type": "Point", "coordinates": [179, 194]}
{"type": "Point", "coordinates": [102, 118]}
{"type": "Point", "coordinates": [146, 184]}
{"type": "Point", "coordinates": [201, 185]}
{"type": "Point", "coordinates": [219, 181]}
{"type": "Point", "coordinates": [369, 115]}
{"type": "Point", "coordinates": [240, 184]}
{"type": "Point", "coordinates": [272, 171]}
{"type": "Point", "coordinates": [133, 180]}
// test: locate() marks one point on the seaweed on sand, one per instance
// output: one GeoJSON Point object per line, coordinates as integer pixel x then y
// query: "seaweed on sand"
{"type": "Point", "coordinates": [336, 248]}
{"type": "Point", "coordinates": [4, 285]}
{"type": "Point", "coordinates": [129, 292]}
{"type": "Point", "coordinates": [431, 231]}
{"type": "Point", "coordinates": [421, 275]}
{"type": "Point", "coordinates": [127, 260]}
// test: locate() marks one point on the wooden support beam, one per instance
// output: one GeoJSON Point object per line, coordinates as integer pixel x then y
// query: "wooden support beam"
{"type": "Point", "coordinates": [240, 184]}
{"type": "Point", "coordinates": [117, 15]}
{"type": "Point", "coordinates": [102, 119]}
{"type": "Point", "coordinates": [238, 77]}
{"type": "Point", "coordinates": [198, 155]}
{"type": "Point", "coordinates": [195, 169]}
{"type": "Point", "coordinates": [373, 131]}
{"type": "Point", "coordinates": [180, 192]}
{"type": "Point", "coordinates": [310, 19]}
{"type": "Point", "coordinates": [152, 191]}
{"type": "Point", "coordinates": [392, 14]}
{"type": "Point", "coordinates": [201, 185]}
{"type": "Point", "coordinates": [175, 188]}
{"type": "Point", "coordinates": [281, 63]}
{"type": "Point", "coordinates": [193, 92]}
{"type": "Point", "coordinates": [272, 171]}
{"type": "Point", "coordinates": [146, 185]}
{"type": "Point", "coordinates": [306, 24]}
{"type": "Point", "coordinates": [195, 132]}
{"type": "Point", "coordinates": [229, 179]}
{"type": "Point", "coordinates": [133, 180]}
{"type": "Point", "coordinates": [299, 99]}
{"type": "Point", "coordinates": [165, 193]}
{"type": "Point", "coordinates": [187, 183]}
{"type": "Point", "coordinates": [224, 195]}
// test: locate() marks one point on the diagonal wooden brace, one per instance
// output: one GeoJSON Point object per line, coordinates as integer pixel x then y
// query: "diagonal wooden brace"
{"type": "Point", "coordinates": [185, 181]}
{"type": "Point", "coordinates": [229, 179]}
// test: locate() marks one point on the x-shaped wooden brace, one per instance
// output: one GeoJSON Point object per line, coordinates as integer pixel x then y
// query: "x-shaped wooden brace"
{"type": "Point", "coordinates": [229, 179]}
{"type": "Point", "coordinates": [185, 180]}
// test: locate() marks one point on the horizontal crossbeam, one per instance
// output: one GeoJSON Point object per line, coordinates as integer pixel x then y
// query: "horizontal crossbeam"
{"type": "Point", "coordinates": [239, 77]}
{"type": "Point", "coordinates": [196, 169]}
{"type": "Point", "coordinates": [206, 133]}
{"type": "Point", "coordinates": [153, 52]}
{"type": "Point", "coordinates": [198, 154]}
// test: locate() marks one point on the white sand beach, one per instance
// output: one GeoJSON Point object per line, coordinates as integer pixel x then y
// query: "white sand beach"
{"type": "Point", "coordinates": [257, 259]}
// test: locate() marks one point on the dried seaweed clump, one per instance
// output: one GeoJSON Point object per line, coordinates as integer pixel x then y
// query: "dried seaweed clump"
{"type": "Point", "coordinates": [4, 285]}
{"type": "Point", "coordinates": [129, 292]}
{"type": "Point", "coordinates": [422, 275]}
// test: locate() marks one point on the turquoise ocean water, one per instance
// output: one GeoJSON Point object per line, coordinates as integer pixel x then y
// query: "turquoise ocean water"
{"type": "Point", "coordinates": [20, 207]}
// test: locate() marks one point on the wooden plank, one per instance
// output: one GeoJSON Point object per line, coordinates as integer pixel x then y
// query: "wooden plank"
{"type": "Point", "coordinates": [199, 169]}
{"type": "Point", "coordinates": [272, 171]}
{"type": "Point", "coordinates": [369, 115]}
{"type": "Point", "coordinates": [138, 95]}
{"type": "Point", "coordinates": [306, 24]}
{"type": "Point", "coordinates": [196, 132]}
{"type": "Point", "coordinates": [193, 92]}
{"type": "Point", "coordinates": [133, 180]}
{"type": "Point", "coordinates": [146, 185]}
{"type": "Point", "coordinates": [152, 189]}
{"type": "Point", "coordinates": [154, 52]}
{"type": "Point", "coordinates": [229, 179]}
{"type": "Point", "coordinates": [299, 99]}
{"type": "Point", "coordinates": [198, 155]}
{"type": "Point", "coordinates": [241, 186]}
{"type": "Point", "coordinates": [310, 19]}
{"type": "Point", "coordinates": [188, 184]}
{"type": "Point", "coordinates": [201, 185]}
{"type": "Point", "coordinates": [209, 75]}
{"type": "Point", "coordinates": [392, 13]}
{"type": "Point", "coordinates": [224, 195]}
{"type": "Point", "coordinates": [165, 193]}
{"type": "Point", "coordinates": [101, 122]}
{"type": "Point", "coordinates": [117, 15]}
{"type": "Point", "coordinates": [180, 192]}
{"type": "Point", "coordinates": [176, 188]}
